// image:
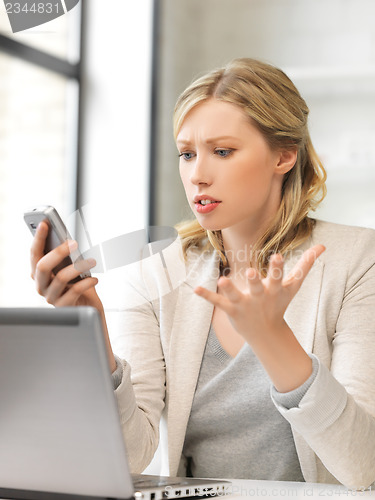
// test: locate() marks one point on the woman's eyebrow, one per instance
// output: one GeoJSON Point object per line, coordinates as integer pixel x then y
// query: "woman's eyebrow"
{"type": "Point", "coordinates": [221, 138]}
{"type": "Point", "coordinates": [210, 140]}
{"type": "Point", "coordinates": [183, 141]}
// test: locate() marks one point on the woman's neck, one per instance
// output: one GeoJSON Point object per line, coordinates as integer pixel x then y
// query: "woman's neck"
{"type": "Point", "coordinates": [239, 252]}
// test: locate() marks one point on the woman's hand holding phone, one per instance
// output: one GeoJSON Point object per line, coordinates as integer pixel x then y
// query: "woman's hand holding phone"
{"type": "Point", "coordinates": [57, 289]}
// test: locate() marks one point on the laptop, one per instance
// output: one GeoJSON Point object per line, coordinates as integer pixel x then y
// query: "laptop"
{"type": "Point", "coordinates": [60, 434]}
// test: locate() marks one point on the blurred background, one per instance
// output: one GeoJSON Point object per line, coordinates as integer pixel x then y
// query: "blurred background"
{"type": "Point", "coordinates": [86, 105]}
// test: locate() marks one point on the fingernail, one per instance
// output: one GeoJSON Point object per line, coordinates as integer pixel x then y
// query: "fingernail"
{"type": "Point", "coordinates": [251, 273]}
{"type": "Point", "coordinates": [277, 257]}
{"type": "Point", "coordinates": [73, 245]}
{"type": "Point", "coordinates": [91, 262]}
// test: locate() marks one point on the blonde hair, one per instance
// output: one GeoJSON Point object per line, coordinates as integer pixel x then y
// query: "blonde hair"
{"type": "Point", "coordinates": [273, 104]}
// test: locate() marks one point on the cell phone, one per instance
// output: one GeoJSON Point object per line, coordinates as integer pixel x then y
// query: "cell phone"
{"type": "Point", "coordinates": [58, 233]}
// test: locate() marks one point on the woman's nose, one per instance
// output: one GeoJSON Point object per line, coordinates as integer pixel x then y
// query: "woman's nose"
{"type": "Point", "coordinates": [200, 172]}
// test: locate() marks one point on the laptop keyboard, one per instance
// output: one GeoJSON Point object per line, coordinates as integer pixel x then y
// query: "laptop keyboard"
{"type": "Point", "coordinates": [143, 481]}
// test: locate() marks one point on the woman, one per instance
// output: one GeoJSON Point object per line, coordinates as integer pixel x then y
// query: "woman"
{"type": "Point", "coordinates": [256, 375]}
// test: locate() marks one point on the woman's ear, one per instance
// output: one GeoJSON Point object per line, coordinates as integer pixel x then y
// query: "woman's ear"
{"type": "Point", "coordinates": [287, 160]}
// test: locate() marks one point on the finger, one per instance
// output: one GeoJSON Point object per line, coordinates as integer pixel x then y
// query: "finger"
{"type": "Point", "coordinates": [44, 267]}
{"type": "Point", "coordinates": [215, 299]}
{"type": "Point", "coordinates": [254, 281]}
{"type": "Point", "coordinates": [61, 281]}
{"type": "Point", "coordinates": [71, 297]}
{"type": "Point", "coordinates": [229, 290]}
{"type": "Point", "coordinates": [299, 272]}
{"type": "Point", "coordinates": [275, 273]}
{"type": "Point", "coordinates": [82, 265]}
{"type": "Point", "coordinates": [38, 244]}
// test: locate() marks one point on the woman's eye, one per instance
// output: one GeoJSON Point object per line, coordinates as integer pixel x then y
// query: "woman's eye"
{"type": "Point", "coordinates": [223, 152]}
{"type": "Point", "coordinates": [188, 155]}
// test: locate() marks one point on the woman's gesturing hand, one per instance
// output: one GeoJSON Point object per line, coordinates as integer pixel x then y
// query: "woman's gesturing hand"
{"type": "Point", "coordinates": [57, 289]}
{"type": "Point", "coordinates": [261, 308]}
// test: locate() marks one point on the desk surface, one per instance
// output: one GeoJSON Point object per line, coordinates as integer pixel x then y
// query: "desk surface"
{"type": "Point", "coordinates": [261, 490]}
{"type": "Point", "coordinates": [282, 489]}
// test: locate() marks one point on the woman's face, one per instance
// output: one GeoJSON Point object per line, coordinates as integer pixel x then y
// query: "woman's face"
{"type": "Point", "coordinates": [231, 176]}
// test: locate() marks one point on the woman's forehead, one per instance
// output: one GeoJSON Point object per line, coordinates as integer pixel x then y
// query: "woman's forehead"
{"type": "Point", "coordinates": [213, 118]}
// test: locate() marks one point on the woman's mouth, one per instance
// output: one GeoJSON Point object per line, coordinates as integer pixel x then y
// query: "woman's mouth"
{"type": "Point", "coordinates": [206, 205]}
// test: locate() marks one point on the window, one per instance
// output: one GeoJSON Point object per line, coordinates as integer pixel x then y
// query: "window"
{"type": "Point", "coordinates": [38, 141]}
{"type": "Point", "coordinates": [74, 130]}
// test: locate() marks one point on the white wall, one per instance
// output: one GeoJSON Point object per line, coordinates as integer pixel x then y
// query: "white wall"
{"type": "Point", "coordinates": [327, 48]}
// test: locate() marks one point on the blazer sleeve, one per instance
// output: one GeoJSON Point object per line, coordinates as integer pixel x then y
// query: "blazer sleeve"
{"type": "Point", "coordinates": [336, 417]}
{"type": "Point", "coordinates": [141, 393]}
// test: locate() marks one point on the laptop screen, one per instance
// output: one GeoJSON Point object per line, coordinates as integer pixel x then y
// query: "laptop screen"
{"type": "Point", "coordinates": [59, 425]}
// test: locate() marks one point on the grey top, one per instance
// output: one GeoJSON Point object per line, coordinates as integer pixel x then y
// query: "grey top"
{"type": "Point", "coordinates": [234, 429]}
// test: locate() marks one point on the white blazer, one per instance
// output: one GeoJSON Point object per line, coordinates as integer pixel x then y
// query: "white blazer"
{"type": "Point", "coordinates": [163, 328]}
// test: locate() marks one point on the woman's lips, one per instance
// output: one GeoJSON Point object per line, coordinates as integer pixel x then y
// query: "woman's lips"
{"type": "Point", "coordinates": [205, 209]}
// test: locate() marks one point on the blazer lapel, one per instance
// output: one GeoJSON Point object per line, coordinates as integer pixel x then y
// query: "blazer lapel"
{"type": "Point", "coordinates": [188, 339]}
{"type": "Point", "coordinates": [301, 314]}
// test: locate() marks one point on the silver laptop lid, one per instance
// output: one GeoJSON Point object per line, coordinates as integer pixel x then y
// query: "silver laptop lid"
{"type": "Point", "coordinates": [59, 428]}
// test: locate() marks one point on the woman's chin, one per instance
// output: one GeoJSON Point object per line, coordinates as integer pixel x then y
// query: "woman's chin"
{"type": "Point", "coordinates": [209, 226]}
